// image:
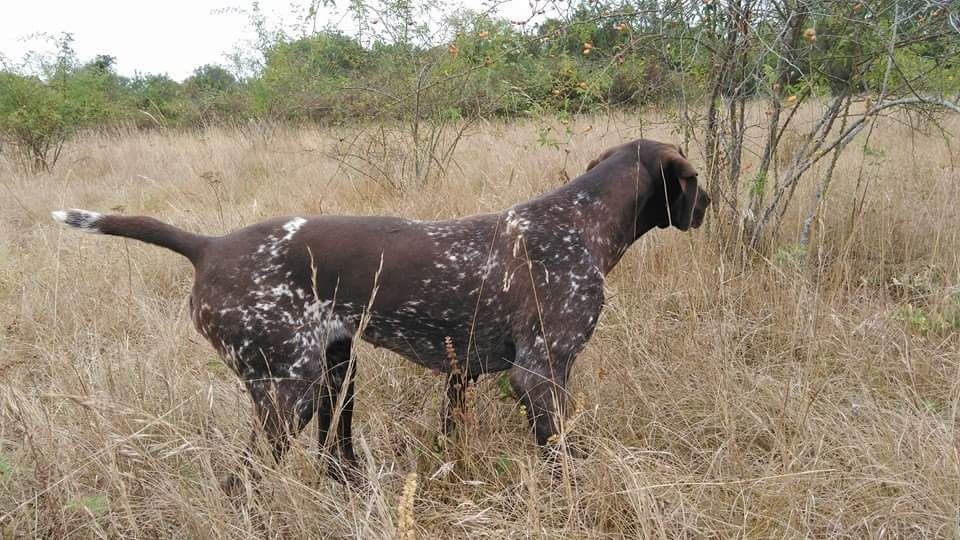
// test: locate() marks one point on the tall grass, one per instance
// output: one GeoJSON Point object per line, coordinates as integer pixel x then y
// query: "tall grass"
{"type": "Point", "coordinates": [789, 394]}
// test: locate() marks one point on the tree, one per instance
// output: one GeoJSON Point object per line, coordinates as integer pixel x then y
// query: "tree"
{"type": "Point", "coordinates": [32, 120]}
{"type": "Point", "coordinates": [787, 52]}
{"type": "Point", "coordinates": [158, 98]}
{"type": "Point", "coordinates": [209, 79]}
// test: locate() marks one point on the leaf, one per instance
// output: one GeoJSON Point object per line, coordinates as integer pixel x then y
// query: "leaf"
{"type": "Point", "coordinates": [503, 465]}
{"type": "Point", "coordinates": [789, 255]}
{"type": "Point", "coordinates": [871, 151]}
{"type": "Point", "coordinates": [5, 467]}
{"type": "Point", "coordinates": [758, 185]}
{"type": "Point", "coordinates": [503, 385]}
{"type": "Point", "coordinates": [95, 504]}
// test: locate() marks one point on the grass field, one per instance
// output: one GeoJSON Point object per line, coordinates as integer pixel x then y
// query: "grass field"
{"type": "Point", "coordinates": [719, 397]}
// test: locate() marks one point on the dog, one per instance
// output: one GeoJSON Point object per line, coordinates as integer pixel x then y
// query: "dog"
{"type": "Point", "coordinates": [519, 291]}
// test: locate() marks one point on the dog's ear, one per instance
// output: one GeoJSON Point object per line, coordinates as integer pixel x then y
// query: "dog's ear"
{"type": "Point", "coordinates": [677, 168]}
{"type": "Point", "coordinates": [596, 161]}
{"type": "Point", "coordinates": [679, 173]}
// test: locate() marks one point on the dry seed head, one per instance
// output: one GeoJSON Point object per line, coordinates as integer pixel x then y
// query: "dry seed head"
{"type": "Point", "coordinates": [406, 524]}
{"type": "Point", "coordinates": [578, 401]}
{"type": "Point", "coordinates": [451, 355]}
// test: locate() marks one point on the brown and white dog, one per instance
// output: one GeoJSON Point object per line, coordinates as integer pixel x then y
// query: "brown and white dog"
{"type": "Point", "coordinates": [517, 291]}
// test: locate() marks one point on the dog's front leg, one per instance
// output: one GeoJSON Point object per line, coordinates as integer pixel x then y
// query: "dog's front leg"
{"type": "Point", "coordinates": [540, 383]}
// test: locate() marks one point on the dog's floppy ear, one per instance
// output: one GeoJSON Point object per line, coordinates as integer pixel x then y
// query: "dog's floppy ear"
{"type": "Point", "coordinates": [596, 161]}
{"type": "Point", "coordinates": [677, 171]}
{"type": "Point", "coordinates": [678, 168]}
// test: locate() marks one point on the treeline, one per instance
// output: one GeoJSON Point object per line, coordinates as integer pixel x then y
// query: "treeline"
{"type": "Point", "coordinates": [491, 66]}
{"type": "Point", "coordinates": [602, 56]}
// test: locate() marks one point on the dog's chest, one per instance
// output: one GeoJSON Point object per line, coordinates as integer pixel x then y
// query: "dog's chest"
{"type": "Point", "coordinates": [478, 297]}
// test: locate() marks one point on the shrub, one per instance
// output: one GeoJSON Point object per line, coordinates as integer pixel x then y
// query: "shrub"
{"type": "Point", "coordinates": [213, 96]}
{"type": "Point", "coordinates": [158, 100]}
{"type": "Point", "coordinates": [33, 120]}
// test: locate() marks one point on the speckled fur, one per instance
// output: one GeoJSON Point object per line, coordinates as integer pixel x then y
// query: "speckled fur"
{"type": "Point", "coordinates": [518, 291]}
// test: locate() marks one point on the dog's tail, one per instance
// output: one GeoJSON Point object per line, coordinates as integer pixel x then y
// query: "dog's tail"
{"type": "Point", "coordinates": [145, 229]}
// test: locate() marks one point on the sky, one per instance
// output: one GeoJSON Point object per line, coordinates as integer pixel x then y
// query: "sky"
{"type": "Point", "coordinates": [170, 36]}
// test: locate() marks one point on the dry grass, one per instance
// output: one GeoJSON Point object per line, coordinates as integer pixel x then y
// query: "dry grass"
{"type": "Point", "coordinates": [765, 399]}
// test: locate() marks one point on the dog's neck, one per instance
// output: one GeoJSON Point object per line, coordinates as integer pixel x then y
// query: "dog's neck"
{"type": "Point", "coordinates": [600, 209]}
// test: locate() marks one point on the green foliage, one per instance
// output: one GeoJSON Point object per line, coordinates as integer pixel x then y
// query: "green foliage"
{"type": "Point", "coordinates": [303, 77]}
{"type": "Point", "coordinates": [600, 55]}
{"type": "Point", "coordinates": [213, 95]}
{"type": "Point", "coordinates": [504, 389]}
{"type": "Point", "coordinates": [33, 119]}
{"type": "Point", "coordinates": [95, 504]}
{"type": "Point", "coordinates": [932, 310]}
{"type": "Point", "coordinates": [209, 79]}
{"type": "Point", "coordinates": [758, 186]}
{"type": "Point", "coordinates": [37, 116]}
{"type": "Point", "coordinates": [924, 321]}
{"type": "Point", "coordinates": [503, 465]}
{"type": "Point", "coordinates": [91, 95]}
{"type": "Point", "coordinates": [791, 255]}
{"type": "Point", "coordinates": [158, 98]}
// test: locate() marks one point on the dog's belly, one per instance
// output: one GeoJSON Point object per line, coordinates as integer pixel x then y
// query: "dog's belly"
{"type": "Point", "coordinates": [425, 342]}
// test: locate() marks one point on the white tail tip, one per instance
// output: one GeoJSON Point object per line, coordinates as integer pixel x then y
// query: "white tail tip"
{"type": "Point", "coordinates": [84, 220]}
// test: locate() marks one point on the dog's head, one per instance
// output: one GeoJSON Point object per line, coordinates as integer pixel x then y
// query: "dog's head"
{"type": "Point", "coordinates": [666, 183]}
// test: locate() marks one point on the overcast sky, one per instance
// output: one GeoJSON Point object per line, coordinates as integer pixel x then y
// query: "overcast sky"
{"type": "Point", "coordinates": [171, 36]}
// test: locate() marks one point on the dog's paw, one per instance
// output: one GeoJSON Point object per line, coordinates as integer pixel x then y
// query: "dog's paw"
{"type": "Point", "coordinates": [346, 473]}
{"type": "Point", "coordinates": [351, 477]}
{"type": "Point", "coordinates": [559, 448]}
{"type": "Point", "coordinates": [441, 441]}
{"type": "Point", "coordinates": [232, 485]}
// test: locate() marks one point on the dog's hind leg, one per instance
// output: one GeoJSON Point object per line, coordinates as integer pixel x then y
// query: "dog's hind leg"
{"type": "Point", "coordinates": [336, 400]}
{"type": "Point", "coordinates": [282, 412]}
{"type": "Point", "coordinates": [455, 407]}
{"type": "Point", "coordinates": [283, 408]}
